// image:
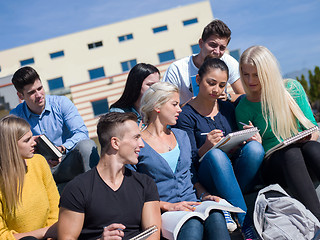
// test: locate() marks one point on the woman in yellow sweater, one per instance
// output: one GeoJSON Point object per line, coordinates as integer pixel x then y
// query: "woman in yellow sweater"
{"type": "Point", "coordinates": [29, 197]}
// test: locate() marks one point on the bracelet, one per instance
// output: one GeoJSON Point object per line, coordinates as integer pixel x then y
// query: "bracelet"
{"type": "Point", "coordinates": [201, 195]}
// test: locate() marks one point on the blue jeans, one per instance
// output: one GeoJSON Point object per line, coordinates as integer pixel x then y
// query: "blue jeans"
{"type": "Point", "coordinates": [214, 227]}
{"type": "Point", "coordinates": [246, 165]}
{"type": "Point", "coordinates": [80, 159]}
{"type": "Point", "coordinates": [217, 175]}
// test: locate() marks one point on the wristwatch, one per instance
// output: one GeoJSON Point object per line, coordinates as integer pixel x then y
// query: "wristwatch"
{"type": "Point", "coordinates": [229, 97]}
{"type": "Point", "coordinates": [64, 149]}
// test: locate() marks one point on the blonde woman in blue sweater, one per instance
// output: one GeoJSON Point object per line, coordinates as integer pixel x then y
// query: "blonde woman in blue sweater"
{"type": "Point", "coordinates": [166, 157]}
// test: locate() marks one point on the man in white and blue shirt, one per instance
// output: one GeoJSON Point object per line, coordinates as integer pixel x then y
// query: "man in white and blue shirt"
{"type": "Point", "coordinates": [213, 42]}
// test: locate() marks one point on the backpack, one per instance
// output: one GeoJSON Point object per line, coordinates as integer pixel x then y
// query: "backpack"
{"type": "Point", "coordinates": [278, 216]}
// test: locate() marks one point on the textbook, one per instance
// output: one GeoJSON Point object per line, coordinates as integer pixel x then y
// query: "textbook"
{"type": "Point", "coordinates": [194, 85]}
{"type": "Point", "coordinates": [291, 140]}
{"type": "Point", "coordinates": [233, 139]}
{"type": "Point", "coordinates": [47, 149]}
{"type": "Point", "coordinates": [172, 221]}
{"type": "Point", "coordinates": [145, 234]}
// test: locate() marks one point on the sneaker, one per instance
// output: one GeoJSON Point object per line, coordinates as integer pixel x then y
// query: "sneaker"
{"type": "Point", "coordinates": [231, 225]}
{"type": "Point", "coordinates": [249, 233]}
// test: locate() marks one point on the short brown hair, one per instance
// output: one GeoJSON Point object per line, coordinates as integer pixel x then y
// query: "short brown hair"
{"type": "Point", "coordinates": [24, 76]}
{"type": "Point", "coordinates": [108, 125]}
{"type": "Point", "coordinates": [216, 28]}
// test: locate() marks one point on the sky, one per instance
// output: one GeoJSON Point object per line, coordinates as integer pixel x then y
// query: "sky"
{"type": "Point", "coordinates": [289, 28]}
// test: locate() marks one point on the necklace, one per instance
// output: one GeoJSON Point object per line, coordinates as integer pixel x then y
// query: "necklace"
{"type": "Point", "coordinates": [160, 141]}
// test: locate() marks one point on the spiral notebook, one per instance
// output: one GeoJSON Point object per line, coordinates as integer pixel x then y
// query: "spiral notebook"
{"type": "Point", "coordinates": [146, 233]}
{"type": "Point", "coordinates": [233, 139]}
{"type": "Point", "coordinates": [291, 140]}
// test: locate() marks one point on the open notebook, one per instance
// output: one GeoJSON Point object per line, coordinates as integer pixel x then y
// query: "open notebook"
{"type": "Point", "coordinates": [291, 140]}
{"type": "Point", "coordinates": [233, 139]}
{"type": "Point", "coordinates": [172, 221]}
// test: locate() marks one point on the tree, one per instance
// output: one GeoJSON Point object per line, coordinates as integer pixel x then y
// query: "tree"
{"type": "Point", "coordinates": [314, 80]}
{"type": "Point", "coordinates": [304, 83]}
{"type": "Point", "coordinates": [313, 89]}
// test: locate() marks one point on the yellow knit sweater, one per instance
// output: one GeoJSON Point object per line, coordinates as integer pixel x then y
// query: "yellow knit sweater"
{"type": "Point", "coordinates": [39, 204]}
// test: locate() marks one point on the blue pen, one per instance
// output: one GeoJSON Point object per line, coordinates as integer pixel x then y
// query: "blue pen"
{"type": "Point", "coordinates": [208, 133]}
{"type": "Point", "coordinates": [246, 124]}
{"type": "Point", "coordinates": [120, 229]}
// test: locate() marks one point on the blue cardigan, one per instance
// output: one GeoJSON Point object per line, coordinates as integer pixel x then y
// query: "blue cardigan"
{"type": "Point", "coordinates": [172, 187]}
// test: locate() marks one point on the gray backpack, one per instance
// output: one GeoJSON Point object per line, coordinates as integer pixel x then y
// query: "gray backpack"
{"type": "Point", "coordinates": [278, 216]}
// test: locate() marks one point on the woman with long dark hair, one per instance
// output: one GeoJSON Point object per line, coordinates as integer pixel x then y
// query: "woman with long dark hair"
{"type": "Point", "coordinates": [207, 119]}
{"type": "Point", "coordinates": [140, 78]}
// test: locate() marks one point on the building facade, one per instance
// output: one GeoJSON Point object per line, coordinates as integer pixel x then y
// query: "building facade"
{"type": "Point", "coordinates": [111, 49]}
{"type": "Point", "coordinates": [91, 66]}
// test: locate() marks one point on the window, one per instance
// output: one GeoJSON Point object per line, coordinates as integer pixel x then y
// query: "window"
{"type": "Point", "coordinates": [57, 54]}
{"type": "Point", "coordinates": [26, 62]}
{"type": "Point", "coordinates": [95, 45]}
{"type": "Point", "coordinates": [125, 37]}
{"type": "Point", "coordinates": [195, 48]}
{"type": "Point", "coordinates": [96, 73]}
{"type": "Point", "coordinates": [166, 56]}
{"type": "Point", "coordinates": [127, 65]}
{"type": "Point", "coordinates": [100, 107]}
{"type": "Point", "coordinates": [235, 54]}
{"type": "Point", "coordinates": [160, 29]}
{"type": "Point", "coordinates": [55, 83]}
{"type": "Point", "coordinates": [190, 21]}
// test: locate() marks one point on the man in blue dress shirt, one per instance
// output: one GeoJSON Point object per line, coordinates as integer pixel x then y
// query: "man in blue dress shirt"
{"type": "Point", "coordinates": [57, 118]}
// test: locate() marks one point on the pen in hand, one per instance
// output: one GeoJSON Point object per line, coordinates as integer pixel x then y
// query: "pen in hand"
{"type": "Point", "coordinates": [247, 125]}
{"type": "Point", "coordinates": [208, 133]}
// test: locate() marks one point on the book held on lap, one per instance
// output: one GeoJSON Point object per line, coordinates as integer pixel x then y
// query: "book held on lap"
{"type": "Point", "coordinates": [172, 221]}
{"type": "Point", "coordinates": [146, 233]}
{"type": "Point", "coordinates": [291, 140]}
{"type": "Point", "coordinates": [233, 139]}
{"type": "Point", "coordinates": [47, 149]}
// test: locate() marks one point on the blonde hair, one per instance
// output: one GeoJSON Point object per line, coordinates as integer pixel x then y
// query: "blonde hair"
{"type": "Point", "coordinates": [157, 95]}
{"type": "Point", "coordinates": [277, 104]}
{"type": "Point", "coordinates": [12, 166]}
